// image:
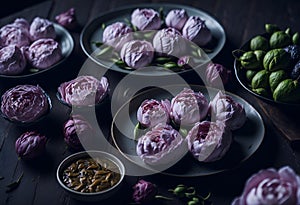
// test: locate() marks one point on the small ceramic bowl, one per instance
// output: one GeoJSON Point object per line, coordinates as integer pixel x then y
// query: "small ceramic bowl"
{"type": "Point", "coordinates": [97, 195]}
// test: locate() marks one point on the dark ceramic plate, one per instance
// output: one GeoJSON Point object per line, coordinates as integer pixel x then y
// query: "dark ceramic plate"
{"type": "Point", "coordinates": [93, 31]}
{"type": "Point", "coordinates": [246, 140]}
{"type": "Point", "coordinates": [240, 74]}
{"type": "Point", "coordinates": [66, 42]}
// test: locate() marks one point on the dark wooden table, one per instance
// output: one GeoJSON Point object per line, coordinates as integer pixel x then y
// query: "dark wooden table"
{"type": "Point", "coordinates": [241, 20]}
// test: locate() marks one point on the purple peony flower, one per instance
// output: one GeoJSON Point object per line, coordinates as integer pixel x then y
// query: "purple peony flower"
{"type": "Point", "coordinates": [43, 53]}
{"type": "Point", "coordinates": [196, 30]}
{"type": "Point", "coordinates": [270, 186]}
{"type": "Point", "coordinates": [209, 141]}
{"type": "Point", "coordinates": [188, 107]}
{"type": "Point", "coordinates": [186, 62]}
{"type": "Point", "coordinates": [152, 112]}
{"type": "Point", "coordinates": [30, 145]}
{"type": "Point", "coordinates": [144, 192]}
{"type": "Point", "coordinates": [137, 54]}
{"type": "Point", "coordinates": [24, 103]}
{"type": "Point", "coordinates": [41, 28]}
{"type": "Point", "coordinates": [224, 108]}
{"type": "Point", "coordinates": [74, 127]}
{"type": "Point", "coordinates": [162, 145]}
{"type": "Point", "coordinates": [216, 75]}
{"type": "Point", "coordinates": [145, 19]}
{"type": "Point", "coordinates": [169, 41]}
{"type": "Point", "coordinates": [67, 19]}
{"type": "Point", "coordinates": [15, 34]}
{"type": "Point", "coordinates": [84, 91]}
{"type": "Point", "coordinates": [12, 60]}
{"type": "Point", "coordinates": [116, 35]}
{"type": "Point", "coordinates": [176, 18]}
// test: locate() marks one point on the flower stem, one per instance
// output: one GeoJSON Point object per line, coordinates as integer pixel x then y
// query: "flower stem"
{"type": "Point", "coordinates": [163, 197]}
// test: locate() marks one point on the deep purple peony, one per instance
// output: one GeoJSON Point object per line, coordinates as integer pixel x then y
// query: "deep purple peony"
{"type": "Point", "coordinates": [188, 107]}
{"type": "Point", "coordinates": [24, 103]}
{"type": "Point", "coordinates": [152, 112]}
{"type": "Point", "coordinates": [144, 192]}
{"type": "Point", "coordinates": [30, 145]}
{"type": "Point", "coordinates": [270, 186]}
{"type": "Point", "coordinates": [209, 141]}
{"type": "Point", "coordinates": [67, 19]}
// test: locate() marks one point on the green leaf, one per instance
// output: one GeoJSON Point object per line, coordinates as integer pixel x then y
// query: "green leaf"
{"type": "Point", "coordinates": [14, 184]}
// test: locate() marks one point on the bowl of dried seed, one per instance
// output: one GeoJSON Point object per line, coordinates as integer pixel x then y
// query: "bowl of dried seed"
{"type": "Point", "coordinates": [90, 175]}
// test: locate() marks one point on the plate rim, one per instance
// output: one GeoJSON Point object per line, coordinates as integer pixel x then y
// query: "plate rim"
{"type": "Point", "coordinates": [68, 54]}
{"type": "Point", "coordinates": [136, 5]}
{"type": "Point", "coordinates": [189, 176]}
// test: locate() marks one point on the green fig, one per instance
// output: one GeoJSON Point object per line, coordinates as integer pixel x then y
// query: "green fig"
{"type": "Point", "coordinates": [250, 74]}
{"type": "Point", "coordinates": [260, 80]}
{"type": "Point", "coordinates": [271, 28]}
{"type": "Point", "coordinates": [279, 39]}
{"type": "Point", "coordinates": [276, 59]}
{"type": "Point", "coordinates": [287, 91]}
{"type": "Point", "coordinates": [276, 77]}
{"type": "Point", "coordinates": [261, 91]}
{"type": "Point", "coordinates": [252, 59]}
{"type": "Point", "coordinates": [259, 43]}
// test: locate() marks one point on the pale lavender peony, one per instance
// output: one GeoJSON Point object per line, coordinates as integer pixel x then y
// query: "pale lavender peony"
{"type": "Point", "coordinates": [84, 91]}
{"type": "Point", "coordinates": [24, 103]}
{"type": "Point", "coordinates": [30, 145]}
{"type": "Point", "coordinates": [152, 112]}
{"type": "Point", "coordinates": [137, 54]}
{"type": "Point", "coordinates": [224, 108]}
{"type": "Point", "coordinates": [168, 41]}
{"type": "Point", "coordinates": [209, 141]}
{"type": "Point", "coordinates": [144, 192]}
{"type": "Point", "coordinates": [67, 19]}
{"type": "Point", "coordinates": [12, 60]}
{"type": "Point", "coordinates": [145, 19]}
{"type": "Point", "coordinates": [41, 28]}
{"type": "Point", "coordinates": [176, 18]}
{"type": "Point", "coordinates": [196, 30]}
{"type": "Point", "coordinates": [216, 75]}
{"type": "Point", "coordinates": [16, 33]}
{"type": "Point", "coordinates": [162, 145]}
{"type": "Point", "coordinates": [270, 186]}
{"type": "Point", "coordinates": [116, 35]}
{"type": "Point", "coordinates": [188, 107]}
{"type": "Point", "coordinates": [75, 127]}
{"type": "Point", "coordinates": [43, 53]}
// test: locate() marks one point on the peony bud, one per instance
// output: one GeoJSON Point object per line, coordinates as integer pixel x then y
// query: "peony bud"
{"type": "Point", "coordinates": [188, 107]}
{"type": "Point", "coordinates": [14, 34]}
{"type": "Point", "coordinates": [209, 141]}
{"type": "Point", "coordinates": [152, 112]}
{"type": "Point", "coordinates": [67, 19]}
{"type": "Point", "coordinates": [41, 28]}
{"type": "Point", "coordinates": [144, 192]}
{"type": "Point", "coordinates": [145, 19]}
{"type": "Point", "coordinates": [116, 35]}
{"type": "Point", "coordinates": [176, 18]}
{"type": "Point", "coordinates": [137, 54]}
{"type": "Point", "coordinates": [216, 75]}
{"type": "Point", "coordinates": [196, 30]}
{"type": "Point", "coordinates": [30, 145]}
{"type": "Point", "coordinates": [12, 60]}
{"type": "Point", "coordinates": [224, 108]}
{"type": "Point", "coordinates": [43, 53]}
{"type": "Point", "coordinates": [169, 41]}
